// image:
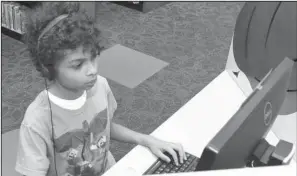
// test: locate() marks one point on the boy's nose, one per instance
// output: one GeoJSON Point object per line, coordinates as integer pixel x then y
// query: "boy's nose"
{"type": "Point", "coordinates": [92, 69]}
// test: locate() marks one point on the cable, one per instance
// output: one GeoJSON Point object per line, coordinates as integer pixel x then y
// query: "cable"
{"type": "Point", "coordinates": [52, 124]}
{"type": "Point", "coordinates": [289, 90]}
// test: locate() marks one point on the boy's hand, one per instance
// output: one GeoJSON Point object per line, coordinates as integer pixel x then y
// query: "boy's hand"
{"type": "Point", "coordinates": [158, 147]}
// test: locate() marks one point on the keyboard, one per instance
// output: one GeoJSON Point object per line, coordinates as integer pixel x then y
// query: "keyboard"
{"type": "Point", "coordinates": [162, 167]}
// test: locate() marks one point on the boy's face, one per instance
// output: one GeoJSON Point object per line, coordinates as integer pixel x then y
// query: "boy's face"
{"type": "Point", "coordinates": [77, 71]}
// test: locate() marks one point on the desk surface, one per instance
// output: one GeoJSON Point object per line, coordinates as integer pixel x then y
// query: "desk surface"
{"type": "Point", "coordinates": [289, 170]}
{"type": "Point", "coordinates": [193, 125]}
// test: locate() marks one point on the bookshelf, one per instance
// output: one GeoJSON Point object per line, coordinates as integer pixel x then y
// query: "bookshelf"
{"type": "Point", "coordinates": [15, 10]}
{"type": "Point", "coordinates": [17, 33]}
{"type": "Point", "coordinates": [13, 16]}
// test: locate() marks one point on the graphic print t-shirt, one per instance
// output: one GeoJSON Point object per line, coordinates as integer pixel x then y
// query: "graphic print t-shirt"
{"type": "Point", "coordinates": [81, 136]}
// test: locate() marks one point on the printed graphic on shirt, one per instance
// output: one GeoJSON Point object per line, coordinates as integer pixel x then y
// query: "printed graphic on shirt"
{"type": "Point", "coordinates": [83, 151]}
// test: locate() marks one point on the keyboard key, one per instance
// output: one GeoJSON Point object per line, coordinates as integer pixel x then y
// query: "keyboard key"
{"type": "Point", "coordinates": [193, 168]}
{"type": "Point", "coordinates": [170, 166]}
{"type": "Point", "coordinates": [160, 169]}
{"type": "Point", "coordinates": [164, 167]}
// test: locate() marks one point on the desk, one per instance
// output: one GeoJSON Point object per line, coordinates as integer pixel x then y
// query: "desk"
{"type": "Point", "coordinates": [288, 170]}
{"type": "Point", "coordinates": [197, 122]}
{"type": "Point", "coordinates": [200, 119]}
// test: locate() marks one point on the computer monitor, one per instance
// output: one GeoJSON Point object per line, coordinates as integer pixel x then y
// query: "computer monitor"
{"type": "Point", "coordinates": [236, 141]}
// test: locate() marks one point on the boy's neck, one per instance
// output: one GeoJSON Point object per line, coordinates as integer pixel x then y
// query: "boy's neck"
{"type": "Point", "coordinates": [64, 93]}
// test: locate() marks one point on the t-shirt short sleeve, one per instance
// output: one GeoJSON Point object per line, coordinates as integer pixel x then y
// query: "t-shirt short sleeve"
{"type": "Point", "coordinates": [111, 101]}
{"type": "Point", "coordinates": [31, 157]}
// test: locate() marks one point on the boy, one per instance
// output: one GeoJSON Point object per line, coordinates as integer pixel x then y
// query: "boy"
{"type": "Point", "coordinates": [67, 129]}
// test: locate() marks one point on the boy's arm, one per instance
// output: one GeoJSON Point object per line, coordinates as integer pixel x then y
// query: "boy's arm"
{"type": "Point", "coordinates": [123, 134]}
{"type": "Point", "coordinates": [157, 147]}
{"type": "Point", "coordinates": [119, 132]}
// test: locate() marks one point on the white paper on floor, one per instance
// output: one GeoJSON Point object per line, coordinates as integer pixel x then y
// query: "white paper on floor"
{"type": "Point", "coordinates": [127, 66]}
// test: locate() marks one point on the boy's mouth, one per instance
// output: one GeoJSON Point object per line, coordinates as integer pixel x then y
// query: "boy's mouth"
{"type": "Point", "coordinates": [91, 83]}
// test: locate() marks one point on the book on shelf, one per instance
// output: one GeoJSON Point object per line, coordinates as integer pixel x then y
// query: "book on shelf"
{"type": "Point", "coordinates": [7, 23]}
{"type": "Point", "coordinates": [3, 23]}
{"type": "Point", "coordinates": [10, 16]}
{"type": "Point", "coordinates": [3, 17]}
{"type": "Point", "coordinates": [13, 16]}
{"type": "Point", "coordinates": [18, 19]}
{"type": "Point", "coordinates": [22, 19]}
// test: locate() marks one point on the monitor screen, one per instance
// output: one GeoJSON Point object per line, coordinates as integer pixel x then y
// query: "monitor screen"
{"type": "Point", "coordinates": [235, 142]}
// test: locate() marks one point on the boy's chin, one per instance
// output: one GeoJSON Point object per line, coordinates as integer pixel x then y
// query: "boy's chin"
{"type": "Point", "coordinates": [88, 87]}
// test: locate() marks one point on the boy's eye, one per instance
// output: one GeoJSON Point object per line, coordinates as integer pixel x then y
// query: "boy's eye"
{"type": "Point", "coordinates": [77, 66]}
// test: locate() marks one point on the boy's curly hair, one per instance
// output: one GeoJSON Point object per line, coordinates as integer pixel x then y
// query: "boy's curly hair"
{"type": "Point", "coordinates": [74, 31]}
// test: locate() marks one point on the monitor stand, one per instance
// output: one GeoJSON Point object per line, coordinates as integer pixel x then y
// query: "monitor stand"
{"type": "Point", "coordinates": [268, 155]}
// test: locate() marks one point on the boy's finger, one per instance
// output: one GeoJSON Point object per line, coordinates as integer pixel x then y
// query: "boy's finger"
{"type": "Point", "coordinates": [173, 154]}
{"type": "Point", "coordinates": [181, 155]}
{"type": "Point", "coordinates": [181, 152]}
{"type": "Point", "coordinates": [162, 156]}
